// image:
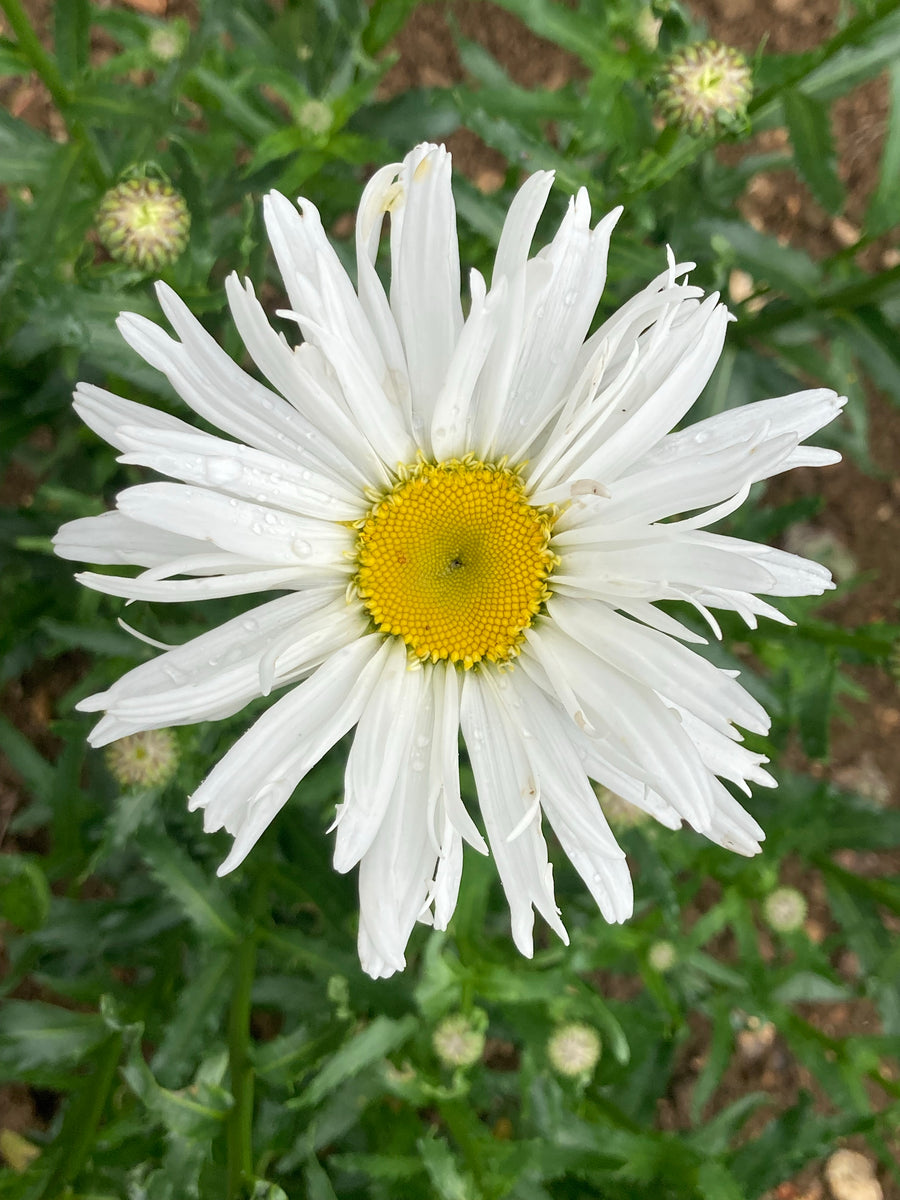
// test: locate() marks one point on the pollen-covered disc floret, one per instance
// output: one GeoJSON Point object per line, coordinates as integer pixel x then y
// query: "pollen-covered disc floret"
{"type": "Point", "coordinates": [455, 561]}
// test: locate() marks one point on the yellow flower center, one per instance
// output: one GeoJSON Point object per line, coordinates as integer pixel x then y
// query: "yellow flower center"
{"type": "Point", "coordinates": [455, 561]}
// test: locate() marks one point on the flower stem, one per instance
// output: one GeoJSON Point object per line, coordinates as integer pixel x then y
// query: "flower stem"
{"type": "Point", "coordinates": [240, 1119]}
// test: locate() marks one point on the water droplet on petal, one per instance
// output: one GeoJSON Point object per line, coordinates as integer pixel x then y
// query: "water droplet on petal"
{"type": "Point", "coordinates": [301, 548]}
{"type": "Point", "coordinates": [256, 528]}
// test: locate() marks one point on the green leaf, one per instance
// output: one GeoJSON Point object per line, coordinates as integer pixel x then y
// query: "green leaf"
{"type": "Point", "coordinates": [201, 900]}
{"type": "Point", "coordinates": [196, 1112]}
{"type": "Point", "coordinates": [24, 892]}
{"type": "Point", "coordinates": [361, 1051]}
{"type": "Point", "coordinates": [875, 345]}
{"type": "Point", "coordinates": [71, 36]}
{"type": "Point", "coordinates": [35, 1036]}
{"type": "Point", "coordinates": [446, 1178]}
{"type": "Point", "coordinates": [386, 19]}
{"type": "Point", "coordinates": [808, 987]}
{"type": "Point", "coordinates": [25, 155]}
{"type": "Point", "coordinates": [882, 213]}
{"type": "Point", "coordinates": [22, 756]}
{"type": "Point", "coordinates": [809, 125]}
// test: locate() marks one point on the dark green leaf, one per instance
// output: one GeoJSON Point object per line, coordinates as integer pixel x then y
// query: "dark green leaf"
{"type": "Point", "coordinates": [809, 125]}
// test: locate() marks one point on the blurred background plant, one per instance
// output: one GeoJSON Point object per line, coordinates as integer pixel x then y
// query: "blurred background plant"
{"type": "Point", "coordinates": [164, 1034]}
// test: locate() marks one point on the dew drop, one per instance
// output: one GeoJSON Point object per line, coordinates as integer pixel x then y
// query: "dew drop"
{"type": "Point", "coordinates": [257, 528]}
{"type": "Point", "coordinates": [270, 518]}
{"type": "Point", "coordinates": [570, 298]}
{"type": "Point", "coordinates": [301, 548]}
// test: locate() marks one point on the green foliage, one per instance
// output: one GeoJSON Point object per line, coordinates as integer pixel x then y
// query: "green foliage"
{"type": "Point", "coordinates": [203, 1038]}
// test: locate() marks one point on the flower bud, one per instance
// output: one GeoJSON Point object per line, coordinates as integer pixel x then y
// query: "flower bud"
{"type": "Point", "coordinates": [662, 956]}
{"type": "Point", "coordinates": [574, 1049]}
{"type": "Point", "coordinates": [315, 116]}
{"type": "Point", "coordinates": [459, 1041]}
{"type": "Point", "coordinates": [706, 88]}
{"type": "Point", "coordinates": [144, 223]}
{"type": "Point", "coordinates": [785, 909]}
{"type": "Point", "coordinates": [145, 760]}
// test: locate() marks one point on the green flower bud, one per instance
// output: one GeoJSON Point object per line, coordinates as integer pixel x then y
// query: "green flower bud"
{"type": "Point", "coordinates": [144, 223]}
{"type": "Point", "coordinates": [574, 1050]}
{"type": "Point", "coordinates": [315, 116]}
{"type": "Point", "coordinates": [706, 88]}
{"type": "Point", "coordinates": [785, 909]}
{"type": "Point", "coordinates": [145, 760]}
{"type": "Point", "coordinates": [459, 1041]}
{"type": "Point", "coordinates": [662, 956]}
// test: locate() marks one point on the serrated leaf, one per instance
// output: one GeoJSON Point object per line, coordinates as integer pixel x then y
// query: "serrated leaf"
{"type": "Point", "coordinates": [35, 1036]}
{"type": "Point", "coordinates": [198, 895]}
{"type": "Point", "coordinates": [196, 1112]}
{"type": "Point", "coordinates": [809, 125]}
{"type": "Point", "coordinates": [448, 1181]}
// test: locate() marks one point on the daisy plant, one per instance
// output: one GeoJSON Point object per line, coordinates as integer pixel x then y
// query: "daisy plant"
{"type": "Point", "coordinates": [475, 517]}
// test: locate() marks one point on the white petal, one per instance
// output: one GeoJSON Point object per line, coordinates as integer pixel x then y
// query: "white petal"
{"type": "Point", "coordinates": [241, 471]}
{"type": "Point", "coordinates": [425, 281]}
{"type": "Point", "coordinates": [252, 531]}
{"type": "Point", "coordinates": [214, 385]}
{"type": "Point", "coordinates": [567, 798]}
{"type": "Point", "coordinates": [116, 540]}
{"type": "Point", "coordinates": [379, 754]}
{"type": "Point", "coordinates": [218, 673]}
{"type": "Point", "coordinates": [343, 447]}
{"type": "Point", "coordinates": [506, 791]}
{"type": "Point", "coordinates": [657, 661]}
{"type": "Point", "coordinates": [520, 224]}
{"type": "Point", "coordinates": [635, 719]}
{"type": "Point", "coordinates": [254, 780]}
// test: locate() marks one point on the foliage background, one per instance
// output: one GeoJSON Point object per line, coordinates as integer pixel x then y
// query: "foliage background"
{"type": "Point", "coordinates": [165, 1034]}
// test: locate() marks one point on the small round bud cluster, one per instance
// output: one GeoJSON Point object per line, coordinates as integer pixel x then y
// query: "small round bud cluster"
{"type": "Point", "coordinates": [144, 223]}
{"type": "Point", "coordinates": [662, 956]}
{"type": "Point", "coordinates": [458, 1041]}
{"type": "Point", "coordinates": [167, 42]}
{"type": "Point", "coordinates": [706, 87]}
{"type": "Point", "coordinates": [315, 116]}
{"type": "Point", "coordinates": [574, 1049]}
{"type": "Point", "coordinates": [785, 909]}
{"type": "Point", "coordinates": [145, 759]}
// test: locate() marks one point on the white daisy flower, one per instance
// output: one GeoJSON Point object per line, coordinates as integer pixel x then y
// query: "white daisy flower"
{"type": "Point", "coordinates": [472, 518]}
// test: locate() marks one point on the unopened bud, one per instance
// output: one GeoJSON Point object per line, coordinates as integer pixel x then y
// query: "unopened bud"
{"type": "Point", "coordinates": [662, 956]}
{"type": "Point", "coordinates": [146, 759]}
{"type": "Point", "coordinates": [144, 223]}
{"type": "Point", "coordinates": [315, 116]}
{"type": "Point", "coordinates": [706, 87]}
{"type": "Point", "coordinates": [459, 1040]}
{"type": "Point", "coordinates": [574, 1049]}
{"type": "Point", "coordinates": [785, 909]}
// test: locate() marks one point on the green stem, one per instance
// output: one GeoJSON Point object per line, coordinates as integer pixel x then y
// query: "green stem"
{"type": "Point", "coordinates": [863, 291]}
{"type": "Point", "coordinates": [82, 1118]}
{"type": "Point", "coordinates": [240, 1119]}
{"type": "Point", "coordinates": [852, 32]}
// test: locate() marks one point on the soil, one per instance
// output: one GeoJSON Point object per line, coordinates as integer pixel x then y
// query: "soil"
{"type": "Point", "coordinates": [861, 511]}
